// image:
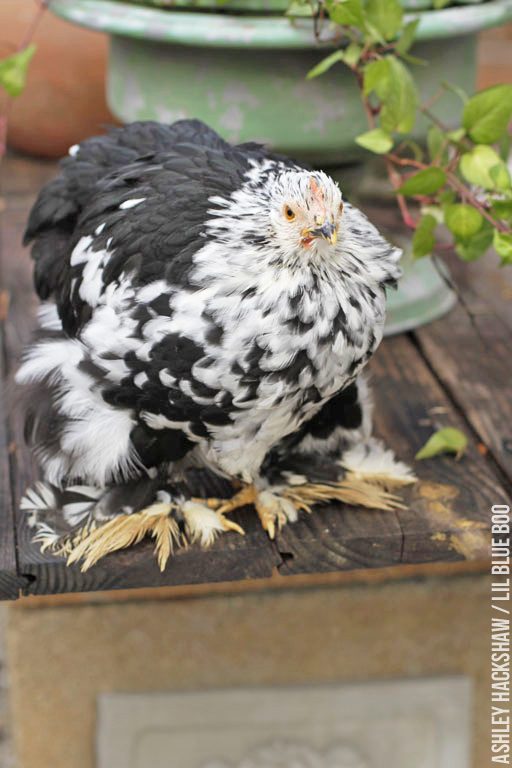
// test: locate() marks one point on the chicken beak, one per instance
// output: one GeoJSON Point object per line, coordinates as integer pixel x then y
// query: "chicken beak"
{"type": "Point", "coordinates": [330, 233]}
{"type": "Point", "coordinates": [327, 231]}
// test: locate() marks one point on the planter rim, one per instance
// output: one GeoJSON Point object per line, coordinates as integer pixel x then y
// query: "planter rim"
{"type": "Point", "coordinates": [219, 30]}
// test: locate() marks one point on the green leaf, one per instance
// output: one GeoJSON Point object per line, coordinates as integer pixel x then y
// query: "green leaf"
{"type": "Point", "coordinates": [347, 13]}
{"type": "Point", "coordinates": [456, 135]}
{"type": "Point", "coordinates": [438, 4]}
{"type": "Point", "coordinates": [500, 175]}
{"type": "Point", "coordinates": [487, 114]}
{"type": "Point", "coordinates": [325, 64]}
{"type": "Point", "coordinates": [502, 242]}
{"type": "Point", "coordinates": [424, 182]}
{"type": "Point", "coordinates": [446, 440]}
{"type": "Point", "coordinates": [376, 77]}
{"type": "Point", "coordinates": [457, 90]}
{"type": "Point", "coordinates": [407, 37]}
{"type": "Point", "coordinates": [436, 141]}
{"type": "Point", "coordinates": [447, 196]}
{"type": "Point", "coordinates": [463, 220]}
{"type": "Point", "coordinates": [414, 59]}
{"type": "Point", "coordinates": [351, 54]}
{"type": "Point", "coordinates": [502, 209]}
{"type": "Point", "coordinates": [301, 8]}
{"type": "Point", "coordinates": [384, 16]}
{"type": "Point", "coordinates": [423, 240]}
{"type": "Point", "coordinates": [392, 83]}
{"type": "Point", "coordinates": [399, 104]}
{"type": "Point", "coordinates": [504, 148]}
{"type": "Point", "coordinates": [476, 167]}
{"type": "Point", "coordinates": [476, 246]}
{"type": "Point", "coordinates": [377, 140]}
{"type": "Point", "coordinates": [13, 70]}
{"type": "Point", "coordinates": [372, 34]}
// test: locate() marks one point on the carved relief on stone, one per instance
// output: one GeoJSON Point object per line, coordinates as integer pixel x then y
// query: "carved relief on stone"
{"type": "Point", "coordinates": [396, 724]}
{"type": "Point", "coordinates": [294, 755]}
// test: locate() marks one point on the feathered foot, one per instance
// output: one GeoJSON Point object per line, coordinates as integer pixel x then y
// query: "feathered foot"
{"type": "Point", "coordinates": [84, 524]}
{"type": "Point", "coordinates": [370, 475]}
{"type": "Point", "coordinates": [161, 522]}
{"type": "Point", "coordinates": [272, 509]}
{"type": "Point", "coordinates": [124, 530]}
{"type": "Point", "coordinates": [372, 462]}
{"type": "Point", "coordinates": [277, 505]}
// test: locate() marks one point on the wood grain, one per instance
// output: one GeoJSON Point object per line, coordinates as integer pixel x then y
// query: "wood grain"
{"type": "Point", "coordinates": [470, 354]}
{"type": "Point", "coordinates": [362, 578]}
{"type": "Point", "coordinates": [450, 505]}
{"type": "Point", "coordinates": [11, 581]}
{"type": "Point", "coordinates": [484, 285]}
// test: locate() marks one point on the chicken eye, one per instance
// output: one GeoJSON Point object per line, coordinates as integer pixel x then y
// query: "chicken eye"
{"type": "Point", "coordinates": [289, 213]}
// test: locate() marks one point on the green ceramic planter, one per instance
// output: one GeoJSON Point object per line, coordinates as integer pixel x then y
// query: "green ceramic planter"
{"type": "Point", "coordinates": [422, 295]}
{"type": "Point", "coordinates": [245, 76]}
{"type": "Point", "coordinates": [261, 6]}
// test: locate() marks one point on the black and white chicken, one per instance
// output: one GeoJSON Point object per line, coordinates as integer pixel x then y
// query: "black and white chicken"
{"type": "Point", "coordinates": [205, 306]}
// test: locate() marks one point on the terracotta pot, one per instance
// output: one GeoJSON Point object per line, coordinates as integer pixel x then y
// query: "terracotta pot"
{"type": "Point", "coordinates": [64, 100]}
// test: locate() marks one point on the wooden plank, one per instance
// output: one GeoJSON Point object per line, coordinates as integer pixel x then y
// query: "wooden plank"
{"type": "Point", "coordinates": [18, 327]}
{"type": "Point", "coordinates": [229, 559]}
{"type": "Point", "coordinates": [485, 287]}
{"type": "Point", "coordinates": [448, 510]}
{"type": "Point", "coordinates": [11, 583]}
{"type": "Point", "coordinates": [470, 355]}
{"type": "Point", "coordinates": [366, 577]}
{"type": "Point", "coordinates": [449, 513]}
{"type": "Point", "coordinates": [21, 179]}
{"type": "Point", "coordinates": [23, 175]}
{"type": "Point", "coordinates": [18, 324]}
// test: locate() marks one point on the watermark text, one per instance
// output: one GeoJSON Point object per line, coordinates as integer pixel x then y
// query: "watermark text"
{"type": "Point", "coordinates": [500, 635]}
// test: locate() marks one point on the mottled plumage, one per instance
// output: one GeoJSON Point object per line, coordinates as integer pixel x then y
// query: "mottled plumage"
{"type": "Point", "coordinates": [205, 305]}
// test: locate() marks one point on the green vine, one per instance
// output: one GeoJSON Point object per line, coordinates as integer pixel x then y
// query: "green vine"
{"type": "Point", "coordinates": [460, 179]}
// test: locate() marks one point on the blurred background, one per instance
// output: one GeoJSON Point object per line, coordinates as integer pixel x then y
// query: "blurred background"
{"type": "Point", "coordinates": [67, 78]}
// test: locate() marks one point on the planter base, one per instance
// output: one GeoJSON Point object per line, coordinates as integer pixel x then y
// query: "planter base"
{"type": "Point", "coordinates": [423, 296]}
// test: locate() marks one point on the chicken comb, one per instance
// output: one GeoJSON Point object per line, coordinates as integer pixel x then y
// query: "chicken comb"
{"type": "Point", "coordinates": [316, 190]}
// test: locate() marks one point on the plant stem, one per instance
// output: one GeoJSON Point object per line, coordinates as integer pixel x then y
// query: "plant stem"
{"type": "Point", "coordinates": [407, 161]}
{"type": "Point", "coordinates": [396, 181]}
{"type": "Point", "coordinates": [468, 195]}
{"type": "Point", "coordinates": [42, 5]}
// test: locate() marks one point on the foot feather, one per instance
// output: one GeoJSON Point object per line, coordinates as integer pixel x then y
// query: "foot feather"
{"type": "Point", "coordinates": [85, 524]}
{"type": "Point", "coordinates": [375, 463]}
{"type": "Point", "coordinates": [204, 524]}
